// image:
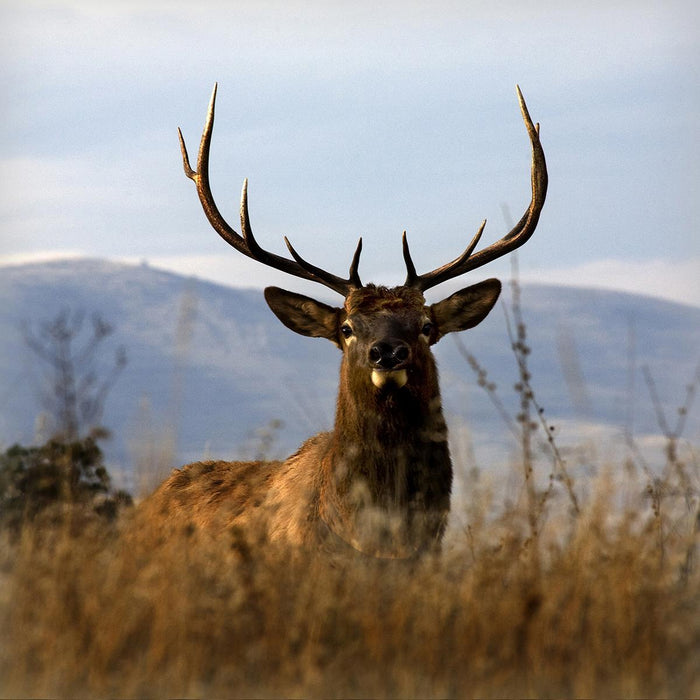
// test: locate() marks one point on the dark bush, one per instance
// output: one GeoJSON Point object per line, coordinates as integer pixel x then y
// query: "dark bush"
{"type": "Point", "coordinates": [34, 479]}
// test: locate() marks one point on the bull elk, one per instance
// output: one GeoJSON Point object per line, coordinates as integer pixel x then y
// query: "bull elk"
{"type": "Point", "coordinates": [379, 482]}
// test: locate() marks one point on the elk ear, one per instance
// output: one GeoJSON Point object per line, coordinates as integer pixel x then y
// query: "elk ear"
{"type": "Point", "coordinates": [303, 315]}
{"type": "Point", "coordinates": [466, 308]}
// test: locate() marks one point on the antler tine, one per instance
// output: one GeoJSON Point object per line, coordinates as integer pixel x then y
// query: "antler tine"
{"type": "Point", "coordinates": [435, 277]}
{"type": "Point", "coordinates": [411, 274]}
{"type": "Point", "coordinates": [246, 242]}
{"type": "Point", "coordinates": [518, 235]}
{"type": "Point", "coordinates": [327, 278]}
{"type": "Point", "coordinates": [252, 247]}
{"type": "Point", "coordinates": [354, 277]}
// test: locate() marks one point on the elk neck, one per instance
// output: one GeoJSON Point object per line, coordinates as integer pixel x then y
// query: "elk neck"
{"type": "Point", "coordinates": [388, 453]}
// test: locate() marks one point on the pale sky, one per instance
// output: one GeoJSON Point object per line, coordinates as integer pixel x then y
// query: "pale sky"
{"type": "Point", "coordinates": [356, 119]}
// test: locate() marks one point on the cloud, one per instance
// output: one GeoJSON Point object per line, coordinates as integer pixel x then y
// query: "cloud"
{"type": "Point", "coordinates": [39, 256]}
{"type": "Point", "coordinates": [673, 280]}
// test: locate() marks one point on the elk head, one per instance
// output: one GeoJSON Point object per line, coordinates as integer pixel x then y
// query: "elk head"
{"type": "Point", "coordinates": [381, 345]}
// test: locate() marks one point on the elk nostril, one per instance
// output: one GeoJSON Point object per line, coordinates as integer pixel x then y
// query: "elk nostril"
{"type": "Point", "coordinates": [401, 353]}
{"type": "Point", "coordinates": [388, 355]}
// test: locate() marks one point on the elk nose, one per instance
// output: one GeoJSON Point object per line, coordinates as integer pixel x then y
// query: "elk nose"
{"type": "Point", "coordinates": [389, 354]}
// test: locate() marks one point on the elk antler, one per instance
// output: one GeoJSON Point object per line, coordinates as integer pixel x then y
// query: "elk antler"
{"type": "Point", "coordinates": [246, 242]}
{"type": "Point", "coordinates": [512, 240]}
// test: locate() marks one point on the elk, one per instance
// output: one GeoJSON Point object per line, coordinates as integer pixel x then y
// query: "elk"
{"type": "Point", "coordinates": [380, 481]}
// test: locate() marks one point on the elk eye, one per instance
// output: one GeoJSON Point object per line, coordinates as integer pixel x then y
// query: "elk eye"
{"type": "Point", "coordinates": [346, 330]}
{"type": "Point", "coordinates": [427, 329]}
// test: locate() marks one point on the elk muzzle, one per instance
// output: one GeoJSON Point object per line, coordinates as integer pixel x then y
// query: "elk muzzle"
{"type": "Point", "coordinates": [388, 360]}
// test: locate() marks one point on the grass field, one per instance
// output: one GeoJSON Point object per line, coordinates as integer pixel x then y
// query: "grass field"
{"type": "Point", "coordinates": [603, 601]}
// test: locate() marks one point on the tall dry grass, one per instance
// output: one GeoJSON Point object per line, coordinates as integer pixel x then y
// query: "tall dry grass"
{"type": "Point", "coordinates": [597, 603]}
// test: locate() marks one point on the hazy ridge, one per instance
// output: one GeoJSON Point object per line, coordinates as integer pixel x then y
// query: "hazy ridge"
{"type": "Point", "coordinates": [208, 365]}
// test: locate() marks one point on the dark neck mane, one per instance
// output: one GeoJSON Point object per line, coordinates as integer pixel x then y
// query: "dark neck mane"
{"type": "Point", "coordinates": [388, 457]}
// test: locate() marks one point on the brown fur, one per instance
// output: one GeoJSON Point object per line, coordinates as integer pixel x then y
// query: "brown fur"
{"type": "Point", "coordinates": [379, 483]}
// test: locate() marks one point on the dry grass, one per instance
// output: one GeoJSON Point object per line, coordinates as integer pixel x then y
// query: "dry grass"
{"type": "Point", "coordinates": [599, 603]}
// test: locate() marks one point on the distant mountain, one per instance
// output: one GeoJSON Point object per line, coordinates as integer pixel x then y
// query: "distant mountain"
{"type": "Point", "coordinates": [209, 367]}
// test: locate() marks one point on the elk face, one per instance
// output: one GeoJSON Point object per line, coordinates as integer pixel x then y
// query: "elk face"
{"type": "Point", "coordinates": [385, 334]}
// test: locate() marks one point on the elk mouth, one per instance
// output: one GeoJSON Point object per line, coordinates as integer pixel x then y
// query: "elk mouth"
{"type": "Point", "coordinates": [383, 377]}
